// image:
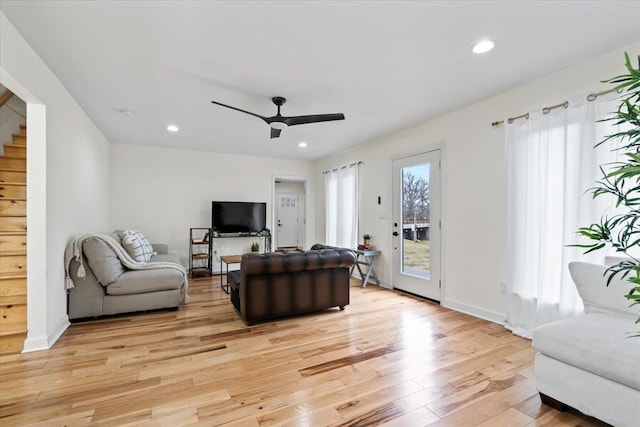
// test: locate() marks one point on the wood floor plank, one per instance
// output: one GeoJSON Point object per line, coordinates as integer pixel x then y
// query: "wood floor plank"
{"type": "Point", "coordinates": [387, 359]}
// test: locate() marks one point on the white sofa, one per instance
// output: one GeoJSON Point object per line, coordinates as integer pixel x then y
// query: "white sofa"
{"type": "Point", "coordinates": [590, 362]}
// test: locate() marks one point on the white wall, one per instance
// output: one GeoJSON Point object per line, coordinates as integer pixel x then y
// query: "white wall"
{"type": "Point", "coordinates": [474, 204]}
{"type": "Point", "coordinates": [67, 178]}
{"type": "Point", "coordinates": [162, 192]}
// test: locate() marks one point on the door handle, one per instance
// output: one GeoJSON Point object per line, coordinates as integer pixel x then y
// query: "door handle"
{"type": "Point", "coordinates": [395, 233]}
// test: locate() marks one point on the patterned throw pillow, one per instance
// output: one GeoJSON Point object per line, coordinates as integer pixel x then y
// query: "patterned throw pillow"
{"type": "Point", "coordinates": [137, 245]}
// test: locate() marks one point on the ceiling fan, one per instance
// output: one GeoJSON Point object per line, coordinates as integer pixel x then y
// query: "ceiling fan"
{"type": "Point", "coordinates": [279, 122]}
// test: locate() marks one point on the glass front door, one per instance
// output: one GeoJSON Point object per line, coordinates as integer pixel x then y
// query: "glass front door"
{"type": "Point", "coordinates": [416, 224]}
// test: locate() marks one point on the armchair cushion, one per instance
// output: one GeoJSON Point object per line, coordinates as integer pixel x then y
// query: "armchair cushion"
{"type": "Point", "coordinates": [146, 281]}
{"type": "Point", "coordinates": [103, 261]}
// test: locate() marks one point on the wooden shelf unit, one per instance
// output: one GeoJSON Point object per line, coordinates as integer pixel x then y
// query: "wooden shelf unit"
{"type": "Point", "coordinates": [200, 262]}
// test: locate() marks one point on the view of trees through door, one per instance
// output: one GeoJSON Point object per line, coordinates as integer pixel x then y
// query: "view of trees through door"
{"type": "Point", "coordinates": [415, 219]}
{"type": "Point", "coordinates": [416, 224]}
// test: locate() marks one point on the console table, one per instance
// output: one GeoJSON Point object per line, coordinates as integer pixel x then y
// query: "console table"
{"type": "Point", "coordinates": [366, 257]}
{"type": "Point", "coordinates": [266, 234]}
{"type": "Point", "coordinates": [228, 259]}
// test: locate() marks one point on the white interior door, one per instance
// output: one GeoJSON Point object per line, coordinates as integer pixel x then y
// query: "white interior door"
{"type": "Point", "coordinates": [416, 224]}
{"type": "Point", "coordinates": [287, 220]}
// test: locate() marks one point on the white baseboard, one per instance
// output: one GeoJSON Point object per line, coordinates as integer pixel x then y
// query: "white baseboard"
{"type": "Point", "coordinates": [46, 342]}
{"type": "Point", "coordinates": [472, 310]}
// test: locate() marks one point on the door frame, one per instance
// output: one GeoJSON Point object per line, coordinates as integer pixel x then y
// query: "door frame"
{"type": "Point", "coordinates": [274, 203]}
{"type": "Point", "coordinates": [395, 269]}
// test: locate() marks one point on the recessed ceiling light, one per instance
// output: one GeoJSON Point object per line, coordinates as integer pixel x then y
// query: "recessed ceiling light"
{"type": "Point", "coordinates": [172, 128]}
{"type": "Point", "coordinates": [302, 144]}
{"type": "Point", "coordinates": [483, 46]}
{"type": "Point", "coordinates": [125, 112]}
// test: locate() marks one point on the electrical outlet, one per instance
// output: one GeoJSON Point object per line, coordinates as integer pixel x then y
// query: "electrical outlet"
{"type": "Point", "coordinates": [503, 288]}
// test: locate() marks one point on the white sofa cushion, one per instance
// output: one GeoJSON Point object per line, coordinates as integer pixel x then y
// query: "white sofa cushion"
{"type": "Point", "coordinates": [103, 261]}
{"type": "Point", "coordinates": [596, 342]}
{"type": "Point", "coordinates": [146, 281]}
{"type": "Point", "coordinates": [597, 297]}
{"type": "Point", "coordinates": [137, 245]}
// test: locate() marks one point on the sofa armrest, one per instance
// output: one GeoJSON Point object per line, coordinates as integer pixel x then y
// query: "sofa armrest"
{"type": "Point", "coordinates": [86, 297]}
{"type": "Point", "coordinates": [160, 248]}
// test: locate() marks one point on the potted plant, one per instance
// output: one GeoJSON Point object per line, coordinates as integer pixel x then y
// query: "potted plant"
{"type": "Point", "coordinates": [622, 181]}
{"type": "Point", "coordinates": [255, 247]}
{"type": "Point", "coordinates": [367, 239]}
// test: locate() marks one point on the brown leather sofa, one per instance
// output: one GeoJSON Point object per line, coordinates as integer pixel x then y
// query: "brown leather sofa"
{"type": "Point", "coordinates": [274, 284]}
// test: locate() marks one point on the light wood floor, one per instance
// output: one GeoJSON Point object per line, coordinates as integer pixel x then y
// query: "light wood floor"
{"type": "Point", "coordinates": [387, 359]}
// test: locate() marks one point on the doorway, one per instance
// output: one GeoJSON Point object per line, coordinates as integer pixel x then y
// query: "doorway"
{"type": "Point", "coordinates": [416, 224]}
{"type": "Point", "coordinates": [287, 220]}
{"type": "Point", "coordinates": [289, 213]}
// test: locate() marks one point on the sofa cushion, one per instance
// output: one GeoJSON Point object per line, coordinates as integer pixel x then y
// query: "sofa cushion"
{"type": "Point", "coordinates": [142, 281]}
{"type": "Point", "coordinates": [288, 262]}
{"type": "Point", "coordinates": [102, 260]}
{"type": "Point", "coordinates": [597, 297]}
{"type": "Point", "coordinates": [137, 245]}
{"type": "Point", "coordinates": [165, 258]}
{"type": "Point", "coordinates": [598, 343]}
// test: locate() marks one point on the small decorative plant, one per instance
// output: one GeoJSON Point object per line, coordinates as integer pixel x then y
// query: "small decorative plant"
{"type": "Point", "coordinates": [255, 247]}
{"type": "Point", "coordinates": [367, 239]}
{"type": "Point", "coordinates": [622, 181]}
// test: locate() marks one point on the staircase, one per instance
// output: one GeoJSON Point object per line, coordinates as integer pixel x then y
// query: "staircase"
{"type": "Point", "coordinates": [13, 244]}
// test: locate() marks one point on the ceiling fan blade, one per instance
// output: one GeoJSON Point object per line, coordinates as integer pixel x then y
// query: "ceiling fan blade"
{"type": "Point", "coordinates": [316, 118]}
{"type": "Point", "coordinates": [242, 111]}
{"type": "Point", "coordinates": [275, 133]}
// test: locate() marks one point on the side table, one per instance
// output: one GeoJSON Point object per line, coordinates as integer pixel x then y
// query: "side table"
{"type": "Point", "coordinates": [366, 257]}
{"type": "Point", "coordinates": [228, 259]}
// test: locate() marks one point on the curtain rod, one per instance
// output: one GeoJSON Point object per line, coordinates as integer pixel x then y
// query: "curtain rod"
{"type": "Point", "coordinates": [343, 167]}
{"type": "Point", "coordinates": [546, 110]}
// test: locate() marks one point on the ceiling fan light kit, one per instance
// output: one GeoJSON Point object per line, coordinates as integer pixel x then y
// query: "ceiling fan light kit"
{"type": "Point", "coordinates": [279, 122]}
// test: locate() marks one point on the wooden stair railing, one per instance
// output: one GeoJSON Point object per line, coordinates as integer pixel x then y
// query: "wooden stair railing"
{"type": "Point", "coordinates": [6, 96]}
{"type": "Point", "coordinates": [13, 244]}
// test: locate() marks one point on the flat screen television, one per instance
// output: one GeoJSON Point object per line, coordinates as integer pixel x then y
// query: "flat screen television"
{"type": "Point", "coordinates": [238, 217]}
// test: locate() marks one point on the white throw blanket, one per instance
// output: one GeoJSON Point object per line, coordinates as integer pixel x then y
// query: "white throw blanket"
{"type": "Point", "coordinates": [74, 250]}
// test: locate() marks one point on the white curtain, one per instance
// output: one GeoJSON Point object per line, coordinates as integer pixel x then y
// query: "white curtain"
{"type": "Point", "coordinates": [551, 163]}
{"type": "Point", "coordinates": [341, 195]}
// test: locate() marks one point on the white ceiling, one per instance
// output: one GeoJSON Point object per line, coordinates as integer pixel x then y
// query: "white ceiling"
{"type": "Point", "coordinates": [386, 64]}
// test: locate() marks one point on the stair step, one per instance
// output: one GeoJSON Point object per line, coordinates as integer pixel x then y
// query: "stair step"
{"type": "Point", "coordinates": [13, 191]}
{"type": "Point", "coordinates": [23, 130]}
{"type": "Point", "coordinates": [13, 284]}
{"type": "Point", "coordinates": [12, 344]}
{"type": "Point", "coordinates": [18, 275]}
{"type": "Point", "coordinates": [11, 300]}
{"type": "Point", "coordinates": [13, 242]}
{"type": "Point", "coordinates": [13, 262]}
{"type": "Point", "coordinates": [20, 140]}
{"type": "Point", "coordinates": [13, 208]}
{"type": "Point", "coordinates": [13, 150]}
{"type": "Point", "coordinates": [13, 224]}
{"type": "Point", "coordinates": [16, 252]}
{"type": "Point", "coordinates": [13, 176]}
{"type": "Point", "coordinates": [13, 318]}
{"type": "Point", "coordinates": [13, 163]}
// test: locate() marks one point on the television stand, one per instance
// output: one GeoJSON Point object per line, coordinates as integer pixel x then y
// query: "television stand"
{"type": "Point", "coordinates": [266, 234]}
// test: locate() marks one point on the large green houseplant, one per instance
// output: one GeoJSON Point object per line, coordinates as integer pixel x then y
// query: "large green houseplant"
{"type": "Point", "coordinates": [622, 181]}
